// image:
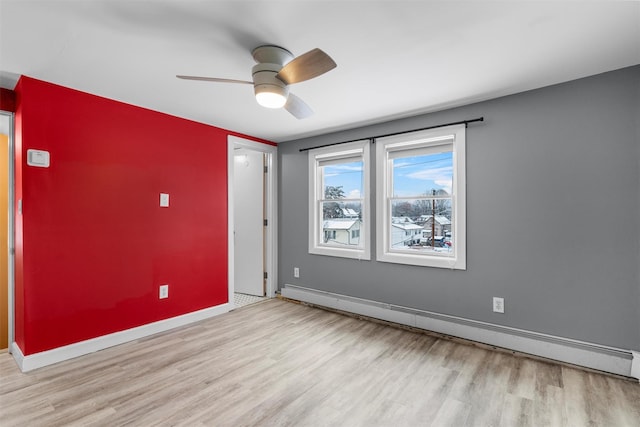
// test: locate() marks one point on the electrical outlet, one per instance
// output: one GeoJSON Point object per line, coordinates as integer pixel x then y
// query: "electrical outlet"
{"type": "Point", "coordinates": [164, 291]}
{"type": "Point", "coordinates": [498, 305]}
{"type": "Point", "coordinates": [296, 272]}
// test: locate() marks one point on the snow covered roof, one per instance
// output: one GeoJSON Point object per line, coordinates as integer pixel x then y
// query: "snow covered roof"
{"type": "Point", "coordinates": [401, 220]}
{"type": "Point", "coordinates": [442, 220]}
{"type": "Point", "coordinates": [407, 226]}
{"type": "Point", "coordinates": [338, 224]}
{"type": "Point", "coordinates": [348, 212]}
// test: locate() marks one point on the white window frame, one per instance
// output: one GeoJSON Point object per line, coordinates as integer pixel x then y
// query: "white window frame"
{"type": "Point", "coordinates": [355, 150]}
{"type": "Point", "coordinates": [454, 135]}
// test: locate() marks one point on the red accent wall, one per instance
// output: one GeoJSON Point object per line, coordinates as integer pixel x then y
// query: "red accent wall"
{"type": "Point", "coordinates": [92, 243]}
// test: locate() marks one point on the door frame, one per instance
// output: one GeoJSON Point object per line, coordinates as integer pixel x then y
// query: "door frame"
{"type": "Point", "coordinates": [11, 249]}
{"type": "Point", "coordinates": [271, 197]}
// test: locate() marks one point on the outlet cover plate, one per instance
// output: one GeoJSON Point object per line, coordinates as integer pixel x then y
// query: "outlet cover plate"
{"type": "Point", "coordinates": [498, 305]}
{"type": "Point", "coordinates": [164, 200]}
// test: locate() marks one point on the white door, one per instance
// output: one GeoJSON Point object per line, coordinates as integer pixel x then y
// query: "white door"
{"type": "Point", "coordinates": [248, 196]}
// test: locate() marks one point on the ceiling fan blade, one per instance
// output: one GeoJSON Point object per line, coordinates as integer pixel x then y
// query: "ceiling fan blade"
{"type": "Point", "coordinates": [306, 66]}
{"type": "Point", "coordinates": [297, 107]}
{"type": "Point", "coordinates": [214, 79]}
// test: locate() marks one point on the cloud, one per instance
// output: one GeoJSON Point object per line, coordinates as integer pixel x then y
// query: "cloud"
{"type": "Point", "coordinates": [354, 194]}
{"type": "Point", "coordinates": [445, 184]}
{"type": "Point", "coordinates": [435, 174]}
{"type": "Point", "coordinates": [442, 177]}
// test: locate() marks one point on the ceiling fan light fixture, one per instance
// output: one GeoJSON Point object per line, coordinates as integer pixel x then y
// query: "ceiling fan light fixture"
{"type": "Point", "coordinates": [271, 96]}
{"type": "Point", "coordinates": [271, 92]}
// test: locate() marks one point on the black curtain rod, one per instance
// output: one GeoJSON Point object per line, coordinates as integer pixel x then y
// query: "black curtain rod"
{"type": "Point", "coordinates": [373, 138]}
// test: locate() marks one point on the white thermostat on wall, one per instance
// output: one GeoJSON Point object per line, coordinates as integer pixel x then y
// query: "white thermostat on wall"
{"type": "Point", "coordinates": [39, 158]}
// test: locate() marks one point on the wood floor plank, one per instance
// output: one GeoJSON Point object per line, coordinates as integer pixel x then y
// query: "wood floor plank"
{"type": "Point", "coordinates": [549, 408]}
{"type": "Point", "coordinates": [278, 363]}
{"type": "Point", "coordinates": [517, 411]}
{"type": "Point", "coordinates": [453, 413]}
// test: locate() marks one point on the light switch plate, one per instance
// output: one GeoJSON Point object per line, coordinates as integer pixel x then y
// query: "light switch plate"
{"type": "Point", "coordinates": [164, 200]}
{"type": "Point", "coordinates": [164, 291]}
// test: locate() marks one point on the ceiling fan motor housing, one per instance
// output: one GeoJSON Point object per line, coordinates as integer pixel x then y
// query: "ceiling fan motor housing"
{"type": "Point", "coordinates": [271, 54]}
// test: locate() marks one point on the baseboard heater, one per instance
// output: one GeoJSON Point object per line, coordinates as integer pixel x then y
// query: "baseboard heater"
{"type": "Point", "coordinates": [589, 355]}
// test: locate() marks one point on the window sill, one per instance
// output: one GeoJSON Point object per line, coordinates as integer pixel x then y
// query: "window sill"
{"type": "Point", "coordinates": [360, 254]}
{"type": "Point", "coordinates": [451, 263]}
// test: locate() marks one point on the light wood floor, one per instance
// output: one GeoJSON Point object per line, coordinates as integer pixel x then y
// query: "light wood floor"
{"type": "Point", "coordinates": [278, 363]}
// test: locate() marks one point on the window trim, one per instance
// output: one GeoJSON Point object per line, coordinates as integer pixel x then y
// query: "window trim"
{"type": "Point", "coordinates": [316, 158]}
{"type": "Point", "coordinates": [411, 142]}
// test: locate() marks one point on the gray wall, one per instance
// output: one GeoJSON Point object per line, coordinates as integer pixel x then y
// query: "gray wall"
{"type": "Point", "coordinates": [553, 216]}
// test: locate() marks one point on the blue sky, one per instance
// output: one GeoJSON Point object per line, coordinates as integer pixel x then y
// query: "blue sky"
{"type": "Point", "coordinates": [347, 175]}
{"type": "Point", "coordinates": [412, 176]}
{"type": "Point", "coordinates": [415, 176]}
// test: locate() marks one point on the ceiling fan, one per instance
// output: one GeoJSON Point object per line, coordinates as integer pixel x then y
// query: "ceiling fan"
{"type": "Point", "coordinates": [275, 70]}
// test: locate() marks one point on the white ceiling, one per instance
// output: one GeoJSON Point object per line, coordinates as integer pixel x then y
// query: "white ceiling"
{"type": "Point", "coordinates": [395, 58]}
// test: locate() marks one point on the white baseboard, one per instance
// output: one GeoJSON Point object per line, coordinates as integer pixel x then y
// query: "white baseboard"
{"type": "Point", "coordinates": [49, 357]}
{"type": "Point", "coordinates": [17, 355]}
{"type": "Point", "coordinates": [589, 355]}
{"type": "Point", "coordinates": [635, 365]}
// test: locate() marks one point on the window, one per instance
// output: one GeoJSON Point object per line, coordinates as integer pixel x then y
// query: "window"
{"type": "Point", "coordinates": [420, 208]}
{"type": "Point", "coordinates": [338, 200]}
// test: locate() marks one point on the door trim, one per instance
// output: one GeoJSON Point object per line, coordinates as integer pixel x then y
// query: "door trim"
{"type": "Point", "coordinates": [271, 196]}
{"type": "Point", "coordinates": [11, 231]}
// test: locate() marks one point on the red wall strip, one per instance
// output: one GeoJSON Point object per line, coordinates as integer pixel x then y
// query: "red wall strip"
{"type": "Point", "coordinates": [7, 100]}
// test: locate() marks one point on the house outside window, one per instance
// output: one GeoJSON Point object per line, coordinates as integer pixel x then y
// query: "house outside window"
{"type": "Point", "coordinates": [338, 200]}
{"type": "Point", "coordinates": [420, 205]}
